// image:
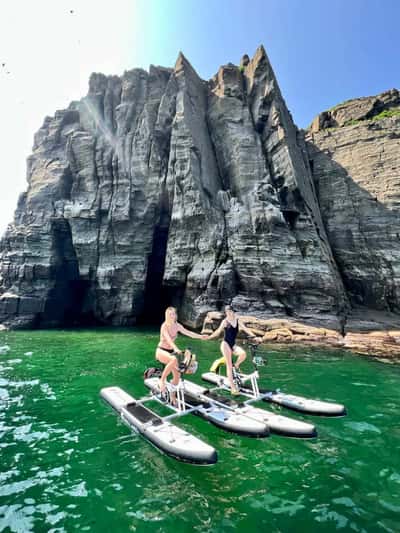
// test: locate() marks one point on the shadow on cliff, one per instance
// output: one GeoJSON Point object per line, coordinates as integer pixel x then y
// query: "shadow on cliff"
{"type": "Point", "coordinates": [364, 235]}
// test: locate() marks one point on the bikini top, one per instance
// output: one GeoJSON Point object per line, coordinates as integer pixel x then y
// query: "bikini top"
{"type": "Point", "coordinates": [173, 333]}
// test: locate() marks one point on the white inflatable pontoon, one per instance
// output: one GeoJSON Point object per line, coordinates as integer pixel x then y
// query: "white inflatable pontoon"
{"type": "Point", "coordinates": [167, 437]}
{"type": "Point", "coordinates": [296, 403]}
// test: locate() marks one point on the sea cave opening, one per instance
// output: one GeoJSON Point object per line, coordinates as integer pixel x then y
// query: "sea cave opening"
{"type": "Point", "coordinates": [157, 296]}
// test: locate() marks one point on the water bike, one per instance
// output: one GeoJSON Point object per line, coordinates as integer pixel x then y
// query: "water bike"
{"type": "Point", "coordinates": [205, 398]}
{"type": "Point", "coordinates": [195, 394]}
{"type": "Point", "coordinates": [247, 384]}
{"type": "Point", "coordinates": [188, 397]}
{"type": "Point", "coordinates": [159, 431]}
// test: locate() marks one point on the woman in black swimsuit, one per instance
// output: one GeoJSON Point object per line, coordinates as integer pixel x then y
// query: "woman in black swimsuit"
{"type": "Point", "coordinates": [231, 326]}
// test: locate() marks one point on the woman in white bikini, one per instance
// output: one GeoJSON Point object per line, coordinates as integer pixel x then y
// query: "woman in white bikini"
{"type": "Point", "coordinates": [167, 347]}
{"type": "Point", "coordinates": [231, 326]}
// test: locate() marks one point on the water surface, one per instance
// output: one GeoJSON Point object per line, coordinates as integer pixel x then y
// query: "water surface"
{"type": "Point", "coordinates": [69, 464]}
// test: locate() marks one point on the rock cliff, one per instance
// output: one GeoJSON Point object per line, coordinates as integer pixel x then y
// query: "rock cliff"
{"type": "Point", "coordinates": [354, 153]}
{"type": "Point", "coordinates": [161, 188]}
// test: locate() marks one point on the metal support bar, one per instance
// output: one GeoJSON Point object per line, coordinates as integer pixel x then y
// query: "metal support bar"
{"type": "Point", "coordinates": [253, 399]}
{"type": "Point", "coordinates": [255, 394]}
{"type": "Point", "coordinates": [145, 399]}
{"type": "Point", "coordinates": [178, 414]}
{"type": "Point", "coordinates": [180, 396]}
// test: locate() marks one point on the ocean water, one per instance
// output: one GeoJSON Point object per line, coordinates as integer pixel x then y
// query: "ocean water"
{"type": "Point", "coordinates": [67, 463]}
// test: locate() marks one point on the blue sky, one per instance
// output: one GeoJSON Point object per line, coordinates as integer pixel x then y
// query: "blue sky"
{"type": "Point", "coordinates": [323, 52]}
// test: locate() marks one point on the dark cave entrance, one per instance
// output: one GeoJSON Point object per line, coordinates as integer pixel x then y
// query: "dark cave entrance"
{"type": "Point", "coordinates": [77, 314]}
{"type": "Point", "coordinates": [64, 301]}
{"type": "Point", "coordinates": [156, 295]}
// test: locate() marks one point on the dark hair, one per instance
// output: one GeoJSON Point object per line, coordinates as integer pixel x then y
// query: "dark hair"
{"type": "Point", "coordinates": [229, 308]}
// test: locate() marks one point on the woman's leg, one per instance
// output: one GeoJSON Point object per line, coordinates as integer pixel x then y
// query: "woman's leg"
{"type": "Point", "coordinates": [171, 365]}
{"type": "Point", "coordinates": [227, 353]}
{"type": "Point", "coordinates": [241, 356]}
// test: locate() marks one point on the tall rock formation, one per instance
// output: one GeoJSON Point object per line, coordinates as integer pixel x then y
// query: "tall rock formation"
{"type": "Point", "coordinates": [277, 257]}
{"type": "Point", "coordinates": [161, 188]}
{"type": "Point", "coordinates": [354, 151]}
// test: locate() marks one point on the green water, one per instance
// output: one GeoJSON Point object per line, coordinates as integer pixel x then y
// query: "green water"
{"type": "Point", "coordinates": [68, 463]}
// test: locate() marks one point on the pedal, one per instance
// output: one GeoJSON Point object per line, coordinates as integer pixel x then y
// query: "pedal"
{"type": "Point", "coordinates": [165, 396]}
{"type": "Point", "coordinates": [236, 378]}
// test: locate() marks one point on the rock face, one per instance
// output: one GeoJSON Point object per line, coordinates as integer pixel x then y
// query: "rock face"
{"type": "Point", "coordinates": [160, 188]}
{"type": "Point", "coordinates": [355, 156]}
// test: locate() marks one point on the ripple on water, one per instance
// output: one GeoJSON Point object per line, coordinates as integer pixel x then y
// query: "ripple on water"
{"type": "Point", "coordinates": [323, 514]}
{"type": "Point", "coordinates": [40, 478]}
{"type": "Point", "coordinates": [48, 391]}
{"type": "Point", "coordinates": [362, 427]}
{"type": "Point", "coordinates": [22, 384]}
{"type": "Point", "coordinates": [78, 491]}
{"type": "Point", "coordinates": [278, 505]}
{"type": "Point", "coordinates": [166, 506]}
{"type": "Point", "coordinates": [4, 395]}
{"type": "Point", "coordinates": [17, 518]}
{"type": "Point", "coordinates": [25, 434]}
{"type": "Point", "coordinates": [347, 502]}
{"type": "Point", "coordinates": [395, 477]}
{"type": "Point", "coordinates": [358, 384]}
{"type": "Point", "coordinates": [37, 431]}
{"type": "Point", "coordinates": [10, 473]}
{"type": "Point", "coordinates": [21, 518]}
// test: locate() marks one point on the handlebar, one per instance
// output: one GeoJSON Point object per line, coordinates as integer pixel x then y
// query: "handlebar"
{"type": "Point", "coordinates": [258, 356]}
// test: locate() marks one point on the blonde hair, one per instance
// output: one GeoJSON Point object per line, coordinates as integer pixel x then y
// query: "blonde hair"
{"type": "Point", "coordinates": [167, 311]}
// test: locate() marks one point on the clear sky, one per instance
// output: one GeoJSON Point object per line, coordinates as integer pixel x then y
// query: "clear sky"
{"type": "Point", "coordinates": [322, 51]}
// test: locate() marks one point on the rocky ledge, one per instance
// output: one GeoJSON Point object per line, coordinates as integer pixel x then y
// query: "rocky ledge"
{"type": "Point", "coordinates": [380, 343]}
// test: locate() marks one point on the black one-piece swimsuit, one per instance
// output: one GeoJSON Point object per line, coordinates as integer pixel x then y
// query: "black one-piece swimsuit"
{"type": "Point", "coordinates": [231, 334]}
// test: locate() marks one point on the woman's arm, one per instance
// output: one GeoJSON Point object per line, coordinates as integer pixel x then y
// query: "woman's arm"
{"type": "Point", "coordinates": [217, 332]}
{"type": "Point", "coordinates": [189, 333]}
{"type": "Point", "coordinates": [246, 330]}
{"type": "Point", "coordinates": [167, 336]}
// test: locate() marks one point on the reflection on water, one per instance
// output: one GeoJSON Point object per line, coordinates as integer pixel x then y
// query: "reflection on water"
{"type": "Point", "coordinates": [68, 463]}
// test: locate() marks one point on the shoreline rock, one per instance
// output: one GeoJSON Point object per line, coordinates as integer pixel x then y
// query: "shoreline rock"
{"type": "Point", "coordinates": [379, 343]}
